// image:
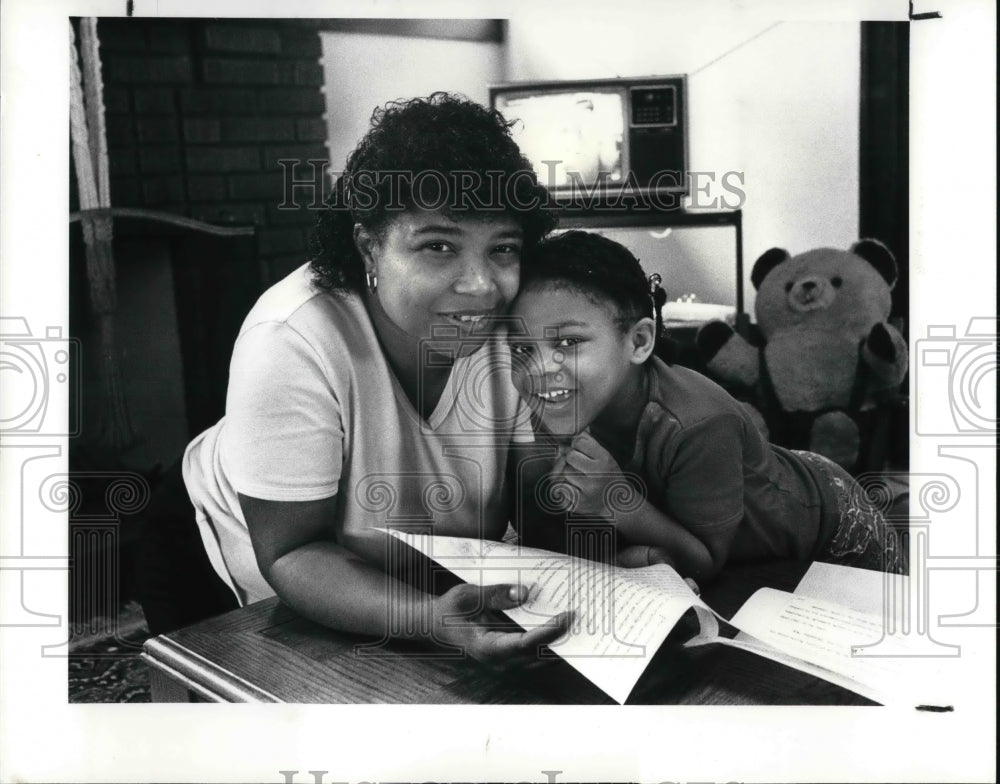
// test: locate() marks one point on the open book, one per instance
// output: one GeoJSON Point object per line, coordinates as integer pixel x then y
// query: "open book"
{"type": "Point", "coordinates": [832, 627]}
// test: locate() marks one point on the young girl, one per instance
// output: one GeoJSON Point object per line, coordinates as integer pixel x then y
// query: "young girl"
{"type": "Point", "coordinates": [706, 487]}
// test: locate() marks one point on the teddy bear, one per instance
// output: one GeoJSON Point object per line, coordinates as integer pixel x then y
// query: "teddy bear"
{"type": "Point", "coordinates": [827, 351]}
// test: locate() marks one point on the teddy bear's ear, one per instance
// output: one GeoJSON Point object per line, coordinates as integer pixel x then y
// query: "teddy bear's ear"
{"type": "Point", "coordinates": [771, 259]}
{"type": "Point", "coordinates": [879, 256]}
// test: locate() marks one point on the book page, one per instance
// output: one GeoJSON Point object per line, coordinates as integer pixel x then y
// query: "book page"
{"type": "Point", "coordinates": [747, 643]}
{"type": "Point", "coordinates": [621, 616]}
{"type": "Point", "coordinates": [815, 635]}
{"type": "Point", "coordinates": [863, 590]}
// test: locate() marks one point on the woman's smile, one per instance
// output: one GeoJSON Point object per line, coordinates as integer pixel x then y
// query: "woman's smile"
{"type": "Point", "coordinates": [442, 278]}
{"type": "Point", "coordinates": [469, 318]}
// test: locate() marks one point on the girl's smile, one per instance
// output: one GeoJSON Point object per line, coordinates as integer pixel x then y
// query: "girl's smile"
{"type": "Point", "coordinates": [572, 359]}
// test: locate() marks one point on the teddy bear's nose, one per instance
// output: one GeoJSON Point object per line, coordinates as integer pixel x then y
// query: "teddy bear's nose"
{"type": "Point", "coordinates": [809, 285]}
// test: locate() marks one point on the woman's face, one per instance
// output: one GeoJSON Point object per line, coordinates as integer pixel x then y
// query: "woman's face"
{"type": "Point", "coordinates": [443, 277]}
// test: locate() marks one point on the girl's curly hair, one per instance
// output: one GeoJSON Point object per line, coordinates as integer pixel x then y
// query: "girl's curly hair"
{"type": "Point", "coordinates": [603, 270]}
{"type": "Point", "coordinates": [472, 163]}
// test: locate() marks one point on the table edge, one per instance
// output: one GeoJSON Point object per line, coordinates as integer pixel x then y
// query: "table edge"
{"type": "Point", "coordinates": [198, 673]}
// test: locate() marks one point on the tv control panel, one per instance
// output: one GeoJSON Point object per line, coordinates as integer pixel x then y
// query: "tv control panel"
{"type": "Point", "coordinates": [653, 105]}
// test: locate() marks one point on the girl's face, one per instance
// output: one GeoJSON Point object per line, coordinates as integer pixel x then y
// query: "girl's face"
{"type": "Point", "coordinates": [441, 277]}
{"type": "Point", "coordinates": [573, 358]}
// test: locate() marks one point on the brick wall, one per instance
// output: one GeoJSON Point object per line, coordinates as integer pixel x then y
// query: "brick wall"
{"type": "Point", "coordinates": [198, 114]}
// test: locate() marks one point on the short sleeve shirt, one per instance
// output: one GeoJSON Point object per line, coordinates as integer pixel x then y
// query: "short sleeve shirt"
{"type": "Point", "coordinates": [705, 463]}
{"type": "Point", "coordinates": [313, 411]}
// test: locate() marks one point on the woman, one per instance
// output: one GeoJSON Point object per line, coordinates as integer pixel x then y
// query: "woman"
{"type": "Point", "coordinates": [367, 387]}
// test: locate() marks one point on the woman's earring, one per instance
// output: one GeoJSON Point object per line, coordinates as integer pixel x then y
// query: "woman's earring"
{"type": "Point", "coordinates": [372, 279]}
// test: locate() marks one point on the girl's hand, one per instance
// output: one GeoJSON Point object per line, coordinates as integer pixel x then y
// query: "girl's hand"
{"type": "Point", "coordinates": [594, 484]}
{"type": "Point", "coordinates": [638, 555]}
{"type": "Point", "coordinates": [471, 618]}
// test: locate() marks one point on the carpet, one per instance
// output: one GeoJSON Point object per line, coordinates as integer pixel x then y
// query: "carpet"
{"type": "Point", "coordinates": [104, 663]}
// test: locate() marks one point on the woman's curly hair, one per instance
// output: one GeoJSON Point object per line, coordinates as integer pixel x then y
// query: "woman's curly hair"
{"type": "Point", "coordinates": [442, 134]}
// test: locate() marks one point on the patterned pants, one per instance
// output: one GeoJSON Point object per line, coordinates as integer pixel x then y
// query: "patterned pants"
{"type": "Point", "coordinates": [862, 536]}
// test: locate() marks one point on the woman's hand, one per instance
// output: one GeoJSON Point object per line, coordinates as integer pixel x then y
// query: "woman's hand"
{"type": "Point", "coordinates": [471, 618]}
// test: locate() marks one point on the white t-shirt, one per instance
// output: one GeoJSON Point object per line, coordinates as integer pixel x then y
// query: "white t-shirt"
{"type": "Point", "coordinates": [313, 411]}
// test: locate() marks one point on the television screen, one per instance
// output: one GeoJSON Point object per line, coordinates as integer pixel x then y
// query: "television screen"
{"type": "Point", "coordinates": [696, 267]}
{"type": "Point", "coordinates": [572, 137]}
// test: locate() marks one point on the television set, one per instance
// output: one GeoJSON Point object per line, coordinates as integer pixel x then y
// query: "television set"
{"type": "Point", "coordinates": [600, 139]}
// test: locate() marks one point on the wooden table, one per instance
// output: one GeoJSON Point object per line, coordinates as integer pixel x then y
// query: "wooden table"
{"type": "Point", "coordinates": [266, 653]}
